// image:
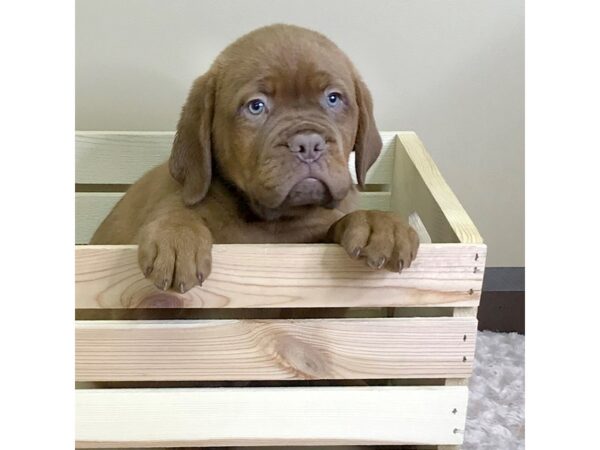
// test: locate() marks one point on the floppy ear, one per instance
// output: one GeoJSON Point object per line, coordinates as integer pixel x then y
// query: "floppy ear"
{"type": "Point", "coordinates": [368, 141]}
{"type": "Point", "coordinates": [190, 162]}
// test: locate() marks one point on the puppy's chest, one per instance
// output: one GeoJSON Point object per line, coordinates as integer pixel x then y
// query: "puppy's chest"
{"type": "Point", "coordinates": [293, 231]}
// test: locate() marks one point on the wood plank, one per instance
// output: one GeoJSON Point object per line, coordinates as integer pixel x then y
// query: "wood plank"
{"type": "Point", "coordinates": [90, 210]}
{"type": "Point", "coordinates": [191, 350]}
{"type": "Point", "coordinates": [92, 207]}
{"type": "Point", "coordinates": [463, 313]}
{"type": "Point", "coordinates": [285, 276]}
{"type": "Point", "coordinates": [374, 200]}
{"type": "Point", "coordinates": [415, 221]}
{"type": "Point", "coordinates": [381, 172]}
{"type": "Point", "coordinates": [269, 416]}
{"type": "Point", "coordinates": [419, 186]}
{"type": "Point", "coordinates": [121, 157]}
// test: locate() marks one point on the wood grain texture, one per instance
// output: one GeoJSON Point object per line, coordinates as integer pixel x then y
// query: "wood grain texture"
{"type": "Point", "coordinates": [279, 276]}
{"type": "Point", "coordinates": [463, 313]}
{"type": "Point", "coordinates": [122, 157]}
{"type": "Point", "coordinates": [92, 207]}
{"type": "Point", "coordinates": [285, 276]}
{"type": "Point", "coordinates": [191, 350]}
{"type": "Point", "coordinates": [419, 186]}
{"type": "Point", "coordinates": [269, 416]}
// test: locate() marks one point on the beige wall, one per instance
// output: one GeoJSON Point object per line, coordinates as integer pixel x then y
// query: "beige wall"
{"type": "Point", "coordinates": [453, 71]}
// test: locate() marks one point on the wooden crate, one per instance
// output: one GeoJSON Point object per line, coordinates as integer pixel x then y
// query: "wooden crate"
{"type": "Point", "coordinates": [163, 369]}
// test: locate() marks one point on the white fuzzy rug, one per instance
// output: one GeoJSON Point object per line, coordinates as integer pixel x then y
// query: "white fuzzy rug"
{"type": "Point", "coordinates": [496, 413]}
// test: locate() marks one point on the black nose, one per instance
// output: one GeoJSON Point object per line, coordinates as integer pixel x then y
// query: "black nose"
{"type": "Point", "coordinates": [307, 146]}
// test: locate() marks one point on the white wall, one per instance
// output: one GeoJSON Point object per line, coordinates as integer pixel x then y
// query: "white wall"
{"type": "Point", "coordinates": [453, 71]}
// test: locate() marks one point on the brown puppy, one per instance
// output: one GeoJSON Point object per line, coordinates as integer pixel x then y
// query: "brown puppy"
{"type": "Point", "coordinates": [261, 156]}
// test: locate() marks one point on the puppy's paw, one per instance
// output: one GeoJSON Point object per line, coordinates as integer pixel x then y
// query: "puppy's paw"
{"type": "Point", "coordinates": [175, 258]}
{"type": "Point", "coordinates": [381, 239]}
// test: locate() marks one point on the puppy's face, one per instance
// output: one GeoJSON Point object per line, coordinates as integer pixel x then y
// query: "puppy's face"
{"type": "Point", "coordinates": [279, 112]}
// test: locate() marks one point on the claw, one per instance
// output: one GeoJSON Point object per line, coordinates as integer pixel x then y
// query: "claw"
{"type": "Point", "coordinates": [165, 285]}
{"type": "Point", "coordinates": [400, 265]}
{"type": "Point", "coordinates": [377, 264]}
{"type": "Point", "coordinates": [181, 288]}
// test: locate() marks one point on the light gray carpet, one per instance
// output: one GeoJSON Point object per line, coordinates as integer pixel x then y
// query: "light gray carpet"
{"type": "Point", "coordinates": [496, 413]}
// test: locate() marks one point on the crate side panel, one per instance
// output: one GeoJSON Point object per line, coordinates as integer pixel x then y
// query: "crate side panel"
{"type": "Point", "coordinates": [415, 221]}
{"type": "Point", "coordinates": [90, 210]}
{"type": "Point", "coordinates": [269, 416]}
{"type": "Point", "coordinates": [329, 349]}
{"type": "Point", "coordinates": [374, 200]}
{"type": "Point", "coordinates": [285, 276]}
{"type": "Point", "coordinates": [118, 157]}
{"type": "Point", "coordinates": [419, 186]}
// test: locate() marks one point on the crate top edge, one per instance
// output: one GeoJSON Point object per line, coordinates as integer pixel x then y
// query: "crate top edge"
{"type": "Point", "coordinates": [299, 248]}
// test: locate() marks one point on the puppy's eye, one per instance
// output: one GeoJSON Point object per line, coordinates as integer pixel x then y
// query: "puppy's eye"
{"type": "Point", "coordinates": [334, 98]}
{"type": "Point", "coordinates": [256, 107]}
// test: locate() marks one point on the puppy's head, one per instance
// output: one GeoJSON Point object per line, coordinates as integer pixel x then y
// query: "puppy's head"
{"type": "Point", "coordinates": [277, 116]}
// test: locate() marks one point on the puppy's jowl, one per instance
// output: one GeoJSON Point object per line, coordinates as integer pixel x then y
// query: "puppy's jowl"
{"type": "Point", "coordinates": [261, 156]}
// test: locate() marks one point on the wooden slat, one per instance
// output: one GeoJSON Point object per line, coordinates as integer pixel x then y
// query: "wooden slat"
{"type": "Point", "coordinates": [374, 200]}
{"type": "Point", "coordinates": [92, 207]}
{"type": "Point", "coordinates": [270, 416]}
{"type": "Point", "coordinates": [285, 275]}
{"type": "Point", "coordinates": [90, 210]}
{"type": "Point", "coordinates": [381, 171]}
{"type": "Point", "coordinates": [119, 157]}
{"type": "Point", "coordinates": [415, 221]}
{"type": "Point", "coordinates": [419, 186]}
{"type": "Point", "coordinates": [189, 350]}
